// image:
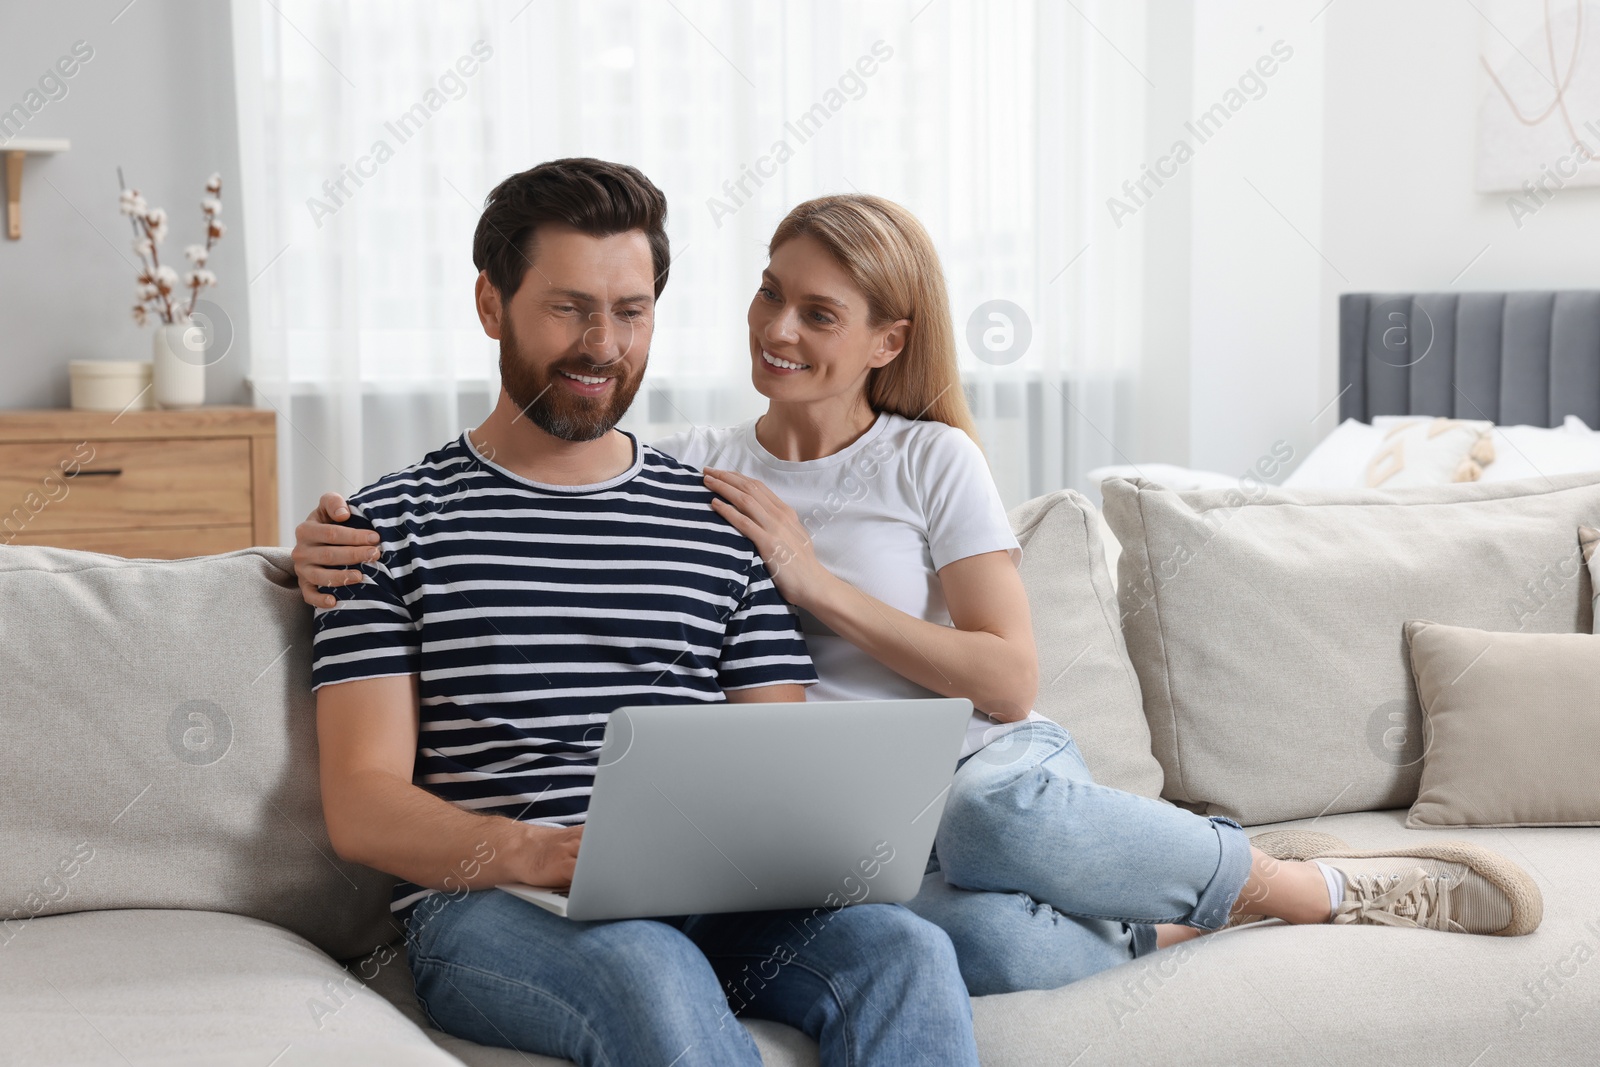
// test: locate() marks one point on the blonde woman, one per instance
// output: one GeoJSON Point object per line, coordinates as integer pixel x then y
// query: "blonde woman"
{"type": "Point", "coordinates": [865, 490]}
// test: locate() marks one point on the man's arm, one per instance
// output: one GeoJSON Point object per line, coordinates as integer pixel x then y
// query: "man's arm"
{"type": "Point", "coordinates": [367, 734]}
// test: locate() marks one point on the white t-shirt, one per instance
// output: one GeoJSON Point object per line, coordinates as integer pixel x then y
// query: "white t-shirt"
{"type": "Point", "coordinates": [902, 501]}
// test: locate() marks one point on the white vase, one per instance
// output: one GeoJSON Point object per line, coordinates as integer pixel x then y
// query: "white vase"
{"type": "Point", "coordinates": [178, 353]}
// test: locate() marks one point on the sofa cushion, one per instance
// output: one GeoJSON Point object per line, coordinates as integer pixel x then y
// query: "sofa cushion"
{"type": "Point", "coordinates": [162, 746]}
{"type": "Point", "coordinates": [1086, 682]}
{"type": "Point", "coordinates": [190, 988]}
{"type": "Point", "coordinates": [1512, 727]}
{"type": "Point", "coordinates": [1398, 996]}
{"type": "Point", "coordinates": [1322, 995]}
{"type": "Point", "coordinates": [1267, 628]}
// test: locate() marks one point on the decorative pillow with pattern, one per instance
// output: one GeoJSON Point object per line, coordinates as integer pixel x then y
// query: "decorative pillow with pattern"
{"type": "Point", "coordinates": [1430, 452]}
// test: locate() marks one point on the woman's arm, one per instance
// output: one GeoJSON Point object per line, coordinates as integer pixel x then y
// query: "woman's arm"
{"type": "Point", "coordinates": [987, 655]}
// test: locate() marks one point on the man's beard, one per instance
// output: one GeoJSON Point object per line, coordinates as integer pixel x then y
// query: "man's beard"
{"type": "Point", "coordinates": [555, 409]}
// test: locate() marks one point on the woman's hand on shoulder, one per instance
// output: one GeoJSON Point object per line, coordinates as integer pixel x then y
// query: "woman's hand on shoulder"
{"type": "Point", "coordinates": [776, 531]}
{"type": "Point", "coordinates": [323, 550]}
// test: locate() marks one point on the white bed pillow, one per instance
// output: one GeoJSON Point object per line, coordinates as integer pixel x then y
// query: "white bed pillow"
{"type": "Point", "coordinates": [1340, 459]}
{"type": "Point", "coordinates": [1534, 451]}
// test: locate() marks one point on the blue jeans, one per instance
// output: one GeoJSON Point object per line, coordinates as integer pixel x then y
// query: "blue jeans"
{"type": "Point", "coordinates": [871, 983]}
{"type": "Point", "coordinates": [1042, 877]}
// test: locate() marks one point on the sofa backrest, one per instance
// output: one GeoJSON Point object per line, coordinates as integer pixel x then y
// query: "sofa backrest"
{"type": "Point", "coordinates": [160, 746]}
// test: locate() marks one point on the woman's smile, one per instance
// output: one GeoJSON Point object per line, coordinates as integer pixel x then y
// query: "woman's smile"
{"type": "Point", "coordinates": [778, 365]}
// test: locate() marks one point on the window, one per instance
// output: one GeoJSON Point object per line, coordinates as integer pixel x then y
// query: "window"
{"type": "Point", "coordinates": [373, 131]}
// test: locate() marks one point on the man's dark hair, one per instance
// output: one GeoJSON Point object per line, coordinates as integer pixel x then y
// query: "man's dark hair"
{"type": "Point", "coordinates": [590, 195]}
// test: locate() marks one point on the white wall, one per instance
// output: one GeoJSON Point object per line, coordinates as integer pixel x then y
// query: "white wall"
{"type": "Point", "coordinates": [1257, 293]}
{"type": "Point", "coordinates": [1160, 400]}
{"type": "Point", "coordinates": [156, 98]}
{"type": "Point", "coordinates": [1400, 133]}
{"type": "Point", "coordinates": [1364, 143]}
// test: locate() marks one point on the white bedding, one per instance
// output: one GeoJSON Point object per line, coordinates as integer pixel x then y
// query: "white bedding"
{"type": "Point", "coordinates": [1339, 461]}
{"type": "Point", "coordinates": [1532, 451]}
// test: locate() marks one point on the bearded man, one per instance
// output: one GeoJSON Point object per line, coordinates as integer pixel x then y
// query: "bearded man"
{"type": "Point", "coordinates": [526, 580]}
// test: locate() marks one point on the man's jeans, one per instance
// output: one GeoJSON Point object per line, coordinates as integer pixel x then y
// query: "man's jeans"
{"type": "Point", "coordinates": [872, 983]}
{"type": "Point", "coordinates": [1041, 877]}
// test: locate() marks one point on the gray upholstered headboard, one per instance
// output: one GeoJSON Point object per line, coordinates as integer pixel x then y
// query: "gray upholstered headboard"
{"type": "Point", "coordinates": [1518, 358]}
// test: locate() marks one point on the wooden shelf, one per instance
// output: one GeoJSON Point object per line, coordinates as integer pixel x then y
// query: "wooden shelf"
{"type": "Point", "coordinates": [16, 151]}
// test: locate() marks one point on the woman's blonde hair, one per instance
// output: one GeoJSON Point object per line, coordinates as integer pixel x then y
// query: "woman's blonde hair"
{"type": "Point", "coordinates": [891, 259]}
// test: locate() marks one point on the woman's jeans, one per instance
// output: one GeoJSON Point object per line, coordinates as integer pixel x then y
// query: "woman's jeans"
{"type": "Point", "coordinates": [872, 983]}
{"type": "Point", "coordinates": [1041, 877]}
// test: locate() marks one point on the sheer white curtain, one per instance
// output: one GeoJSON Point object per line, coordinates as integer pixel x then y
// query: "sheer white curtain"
{"type": "Point", "coordinates": [372, 130]}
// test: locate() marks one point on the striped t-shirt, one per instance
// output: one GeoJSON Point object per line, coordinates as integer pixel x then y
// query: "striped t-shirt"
{"type": "Point", "coordinates": [530, 612]}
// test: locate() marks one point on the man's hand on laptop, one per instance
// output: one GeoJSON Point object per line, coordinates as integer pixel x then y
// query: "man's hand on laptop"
{"type": "Point", "coordinates": [548, 857]}
{"type": "Point", "coordinates": [326, 555]}
{"type": "Point", "coordinates": [377, 816]}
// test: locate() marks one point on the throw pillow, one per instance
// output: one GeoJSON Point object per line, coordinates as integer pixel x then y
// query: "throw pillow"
{"type": "Point", "coordinates": [1086, 682]}
{"type": "Point", "coordinates": [159, 714]}
{"type": "Point", "coordinates": [1266, 627]}
{"type": "Point", "coordinates": [1512, 727]}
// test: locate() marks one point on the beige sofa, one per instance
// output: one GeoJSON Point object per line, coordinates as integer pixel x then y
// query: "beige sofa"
{"type": "Point", "coordinates": [173, 899]}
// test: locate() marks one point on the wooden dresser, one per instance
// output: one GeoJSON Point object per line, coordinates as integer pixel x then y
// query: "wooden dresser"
{"type": "Point", "coordinates": [154, 484]}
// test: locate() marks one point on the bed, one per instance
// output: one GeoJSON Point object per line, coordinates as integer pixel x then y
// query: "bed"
{"type": "Point", "coordinates": [1521, 370]}
{"type": "Point", "coordinates": [1525, 358]}
{"type": "Point", "coordinates": [1527, 362]}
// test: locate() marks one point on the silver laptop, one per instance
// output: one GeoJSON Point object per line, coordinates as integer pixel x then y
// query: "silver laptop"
{"type": "Point", "coordinates": [705, 808]}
